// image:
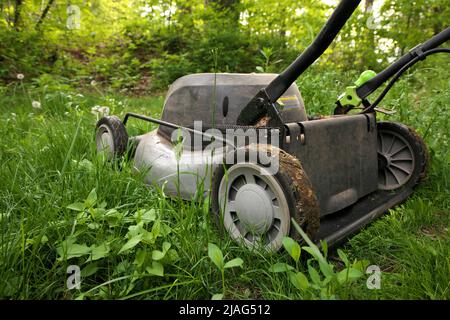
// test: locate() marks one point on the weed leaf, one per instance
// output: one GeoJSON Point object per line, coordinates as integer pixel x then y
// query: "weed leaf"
{"type": "Point", "coordinates": [299, 280]}
{"type": "Point", "coordinates": [280, 267]}
{"type": "Point", "coordinates": [326, 268]}
{"type": "Point", "coordinates": [68, 249]}
{"type": "Point", "coordinates": [348, 274]}
{"type": "Point", "coordinates": [215, 254]}
{"type": "Point", "coordinates": [89, 270]}
{"type": "Point", "coordinates": [91, 199]}
{"type": "Point", "coordinates": [140, 257]}
{"type": "Point", "coordinates": [157, 255]}
{"type": "Point", "coordinates": [314, 275]}
{"type": "Point", "coordinates": [156, 269]}
{"type": "Point", "coordinates": [324, 245]}
{"type": "Point", "coordinates": [292, 247]}
{"type": "Point", "coordinates": [131, 243]}
{"type": "Point", "coordinates": [217, 296]}
{"type": "Point", "coordinates": [237, 262]}
{"type": "Point", "coordinates": [98, 252]}
{"type": "Point", "coordinates": [166, 246]}
{"type": "Point", "coordinates": [77, 206]}
{"type": "Point", "coordinates": [343, 257]}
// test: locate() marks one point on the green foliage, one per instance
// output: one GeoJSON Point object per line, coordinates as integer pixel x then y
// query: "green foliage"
{"type": "Point", "coordinates": [322, 286]}
{"type": "Point", "coordinates": [148, 44]}
{"type": "Point", "coordinates": [61, 204]}
{"type": "Point", "coordinates": [85, 214]}
{"type": "Point", "coordinates": [95, 216]}
{"type": "Point", "coordinates": [216, 256]}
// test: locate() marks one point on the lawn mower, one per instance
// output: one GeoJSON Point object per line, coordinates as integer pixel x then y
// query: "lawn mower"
{"type": "Point", "coordinates": [332, 175]}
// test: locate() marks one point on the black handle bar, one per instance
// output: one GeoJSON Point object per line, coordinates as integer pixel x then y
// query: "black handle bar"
{"type": "Point", "coordinates": [263, 103]}
{"type": "Point", "coordinates": [370, 86]}
{"type": "Point", "coordinates": [334, 24]}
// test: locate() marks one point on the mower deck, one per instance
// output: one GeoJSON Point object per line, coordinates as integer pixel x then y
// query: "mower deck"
{"type": "Point", "coordinates": [338, 227]}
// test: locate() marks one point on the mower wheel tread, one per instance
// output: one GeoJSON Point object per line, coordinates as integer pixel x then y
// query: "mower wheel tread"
{"type": "Point", "coordinates": [415, 140]}
{"type": "Point", "coordinates": [299, 193]}
{"type": "Point", "coordinates": [118, 132]}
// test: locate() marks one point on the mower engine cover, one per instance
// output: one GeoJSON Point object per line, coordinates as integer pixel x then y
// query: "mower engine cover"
{"type": "Point", "coordinates": [219, 98]}
{"type": "Point", "coordinates": [200, 97]}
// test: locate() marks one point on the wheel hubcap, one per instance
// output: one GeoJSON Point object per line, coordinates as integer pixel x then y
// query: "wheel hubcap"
{"type": "Point", "coordinates": [254, 207]}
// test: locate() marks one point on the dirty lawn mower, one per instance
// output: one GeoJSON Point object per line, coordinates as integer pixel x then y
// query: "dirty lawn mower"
{"type": "Point", "coordinates": [332, 175]}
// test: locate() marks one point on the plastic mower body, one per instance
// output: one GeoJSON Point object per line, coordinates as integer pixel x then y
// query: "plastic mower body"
{"type": "Point", "coordinates": [246, 141]}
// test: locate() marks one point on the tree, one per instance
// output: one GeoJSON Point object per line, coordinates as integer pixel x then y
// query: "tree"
{"type": "Point", "coordinates": [17, 11]}
{"type": "Point", "coordinates": [44, 13]}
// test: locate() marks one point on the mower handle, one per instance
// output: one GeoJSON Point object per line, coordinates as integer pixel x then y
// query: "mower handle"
{"type": "Point", "coordinates": [371, 85]}
{"type": "Point", "coordinates": [282, 82]}
{"type": "Point", "coordinates": [263, 103]}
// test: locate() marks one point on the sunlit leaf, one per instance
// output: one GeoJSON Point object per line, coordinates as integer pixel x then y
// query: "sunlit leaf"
{"type": "Point", "coordinates": [156, 269]}
{"type": "Point", "coordinates": [280, 267]}
{"type": "Point", "coordinates": [292, 247]}
{"type": "Point", "coordinates": [215, 254]}
{"type": "Point", "coordinates": [237, 262]}
{"type": "Point", "coordinates": [140, 257]}
{"type": "Point", "coordinates": [348, 274]}
{"type": "Point", "coordinates": [299, 280]}
{"type": "Point", "coordinates": [91, 199]}
{"type": "Point", "coordinates": [68, 249]}
{"type": "Point", "coordinates": [98, 252]}
{"type": "Point", "coordinates": [77, 206]}
{"type": "Point", "coordinates": [157, 255]}
{"type": "Point", "coordinates": [131, 243]}
{"type": "Point", "coordinates": [314, 275]}
{"type": "Point", "coordinates": [343, 256]}
{"type": "Point", "coordinates": [166, 246]}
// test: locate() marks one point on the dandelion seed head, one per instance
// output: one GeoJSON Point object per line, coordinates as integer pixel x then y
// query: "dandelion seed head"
{"type": "Point", "coordinates": [36, 104]}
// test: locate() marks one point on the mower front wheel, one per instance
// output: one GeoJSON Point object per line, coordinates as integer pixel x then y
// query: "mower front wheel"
{"type": "Point", "coordinates": [255, 205]}
{"type": "Point", "coordinates": [111, 137]}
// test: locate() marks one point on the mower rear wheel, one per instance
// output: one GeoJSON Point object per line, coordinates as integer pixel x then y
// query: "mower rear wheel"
{"type": "Point", "coordinates": [402, 156]}
{"type": "Point", "coordinates": [111, 137]}
{"type": "Point", "coordinates": [255, 205]}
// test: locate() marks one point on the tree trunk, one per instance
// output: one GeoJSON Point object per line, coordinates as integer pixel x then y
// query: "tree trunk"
{"type": "Point", "coordinates": [44, 13]}
{"type": "Point", "coordinates": [17, 9]}
{"type": "Point", "coordinates": [408, 25]}
{"type": "Point", "coordinates": [437, 26]}
{"type": "Point", "coordinates": [227, 5]}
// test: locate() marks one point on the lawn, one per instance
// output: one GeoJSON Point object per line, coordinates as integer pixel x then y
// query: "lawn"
{"type": "Point", "coordinates": [62, 205]}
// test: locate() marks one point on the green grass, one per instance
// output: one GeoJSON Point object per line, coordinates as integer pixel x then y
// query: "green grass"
{"type": "Point", "coordinates": [48, 162]}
